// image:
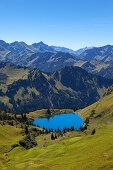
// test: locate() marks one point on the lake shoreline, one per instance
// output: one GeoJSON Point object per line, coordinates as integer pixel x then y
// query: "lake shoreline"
{"type": "Point", "coordinates": [60, 121]}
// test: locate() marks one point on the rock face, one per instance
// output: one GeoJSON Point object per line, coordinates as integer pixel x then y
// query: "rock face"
{"type": "Point", "coordinates": [23, 89]}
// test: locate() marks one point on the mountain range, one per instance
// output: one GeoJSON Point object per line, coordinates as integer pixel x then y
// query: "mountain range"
{"type": "Point", "coordinates": [23, 48]}
{"type": "Point", "coordinates": [38, 55]}
{"type": "Point", "coordinates": [96, 60]}
{"type": "Point", "coordinates": [23, 89]}
{"type": "Point", "coordinates": [42, 76]}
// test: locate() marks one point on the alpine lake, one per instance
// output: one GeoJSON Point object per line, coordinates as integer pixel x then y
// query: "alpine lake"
{"type": "Point", "coordinates": [60, 121]}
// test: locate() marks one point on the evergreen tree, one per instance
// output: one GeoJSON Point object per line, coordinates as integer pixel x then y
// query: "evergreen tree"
{"type": "Point", "coordinates": [48, 112]}
{"type": "Point", "coordinates": [55, 136]}
{"type": "Point", "coordinates": [93, 132]}
{"type": "Point", "coordinates": [46, 131]}
{"type": "Point", "coordinates": [52, 136]}
{"type": "Point", "coordinates": [51, 129]}
{"type": "Point", "coordinates": [22, 115]}
{"type": "Point", "coordinates": [26, 130]}
{"type": "Point", "coordinates": [15, 116]}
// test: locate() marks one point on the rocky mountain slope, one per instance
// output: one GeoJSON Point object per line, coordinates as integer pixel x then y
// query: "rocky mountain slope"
{"type": "Point", "coordinates": [104, 69]}
{"type": "Point", "coordinates": [24, 89]}
{"type": "Point", "coordinates": [49, 62]}
{"type": "Point", "coordinates": [37, 55]}
{"type": "Point", "coordinates": [104, 53]}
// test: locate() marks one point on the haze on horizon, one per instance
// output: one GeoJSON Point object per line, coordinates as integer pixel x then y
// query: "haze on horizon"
{"type": "Point", "coordinates": [70, 23]}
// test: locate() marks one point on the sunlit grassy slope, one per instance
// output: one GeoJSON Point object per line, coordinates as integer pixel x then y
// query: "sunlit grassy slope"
{"type": "Point", "coordinates": [8, 136]}
{"type": "Point", "coordinates": [75, 150]}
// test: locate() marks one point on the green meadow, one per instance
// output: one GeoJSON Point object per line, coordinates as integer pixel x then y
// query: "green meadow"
{"type": "Point", "coordinates": [74, 150]}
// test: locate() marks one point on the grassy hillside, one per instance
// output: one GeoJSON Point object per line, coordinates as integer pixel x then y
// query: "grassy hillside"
{"type": "Point", "coordinates": [104, 105]}
{"type": "Point", "coordinates": [8, 136]}
{"type": "Point", "coordinates": [75, 150]}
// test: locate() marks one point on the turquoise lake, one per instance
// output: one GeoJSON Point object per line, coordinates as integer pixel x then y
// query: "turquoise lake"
{"type": "Point", "coordinates": [60, 121]}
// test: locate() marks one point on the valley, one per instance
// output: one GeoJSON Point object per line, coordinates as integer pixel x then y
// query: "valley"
{"type": "Point", "coordinates": [79, 149]}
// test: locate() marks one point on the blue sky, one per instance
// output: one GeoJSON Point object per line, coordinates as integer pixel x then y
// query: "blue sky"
{"type": "Point", "coordinates": [69, 23]}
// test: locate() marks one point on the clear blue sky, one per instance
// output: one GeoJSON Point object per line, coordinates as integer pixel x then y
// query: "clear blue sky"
{"type": "Point", "coordinates": [69, 23]}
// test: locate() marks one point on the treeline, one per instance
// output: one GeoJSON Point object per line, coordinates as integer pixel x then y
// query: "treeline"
{"type": "Point", "coordinates": [13, 119]}
{"type": "Point", "coordinates": [21, 121]}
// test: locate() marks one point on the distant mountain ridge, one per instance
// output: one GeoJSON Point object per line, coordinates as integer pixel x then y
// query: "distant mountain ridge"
{"type": "Point", "coordinates": [39, 47]}
{"type": "Point", "coordinates": [96, 60]}
{"type": "Point", "coordinates": [104, 54]}
{"type": "Point", "coordinates": [49, 62]}
{"type": "Point", "coordinates": [104, 69]}
{"type": "Point", "coordinates": [37, 55]}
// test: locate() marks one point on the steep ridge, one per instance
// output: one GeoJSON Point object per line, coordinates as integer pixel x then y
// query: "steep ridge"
{"type": "Point", "coordinates": [24, 89]}
{"type": "Point", "coordinates": [102, 111]}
